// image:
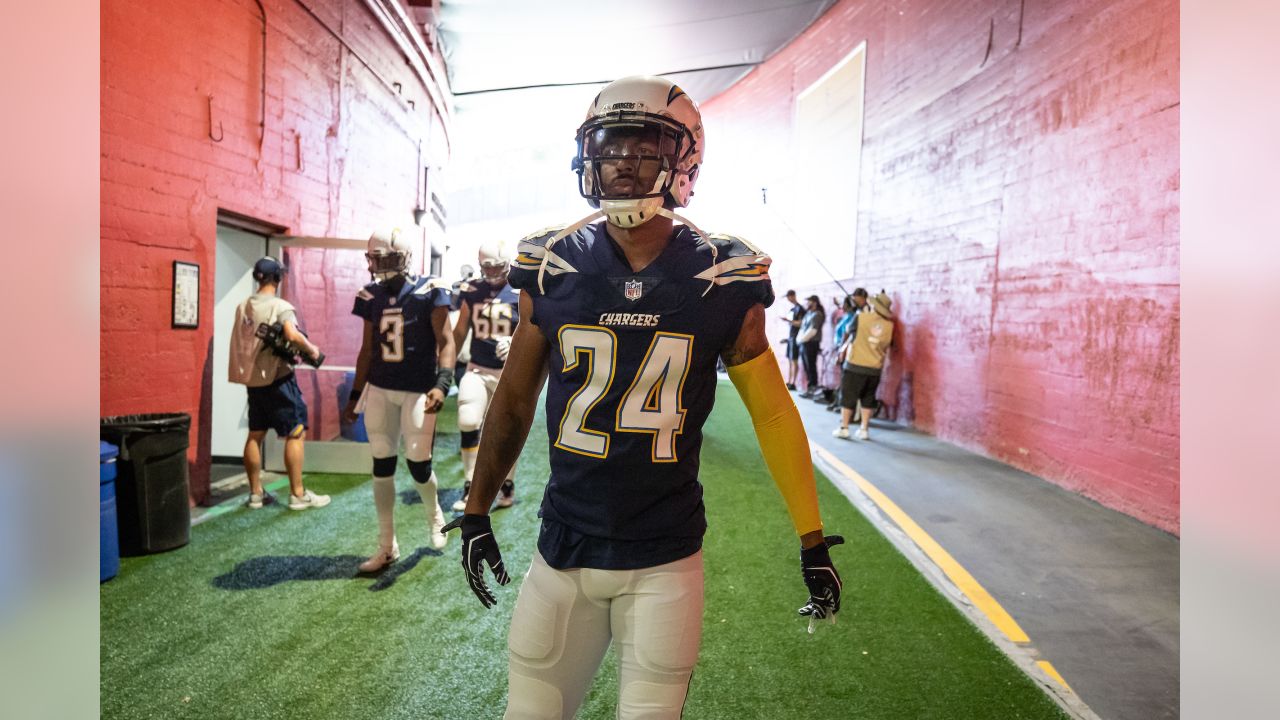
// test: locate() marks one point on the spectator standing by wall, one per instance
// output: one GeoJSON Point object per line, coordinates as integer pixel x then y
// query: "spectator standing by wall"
{"type": "Point", "coordinates": [810, 338]}
{"type": "Point", "coordinates": [793, 316]}
{"type": "Point", "coordinates": [844, 328]}
{"type": "Point", "coordinates": [864, 362]}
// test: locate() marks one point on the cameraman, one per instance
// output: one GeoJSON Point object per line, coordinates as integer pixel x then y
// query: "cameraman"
{"type": "Point", "coordinates": [275, 402]}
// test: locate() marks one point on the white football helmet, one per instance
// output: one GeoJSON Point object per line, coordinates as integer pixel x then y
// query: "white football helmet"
{"type": "Point", "coordinates": [636, 128]}
{"type": "Point", "coordinates": [495, 261]}
{"type": "Point", "coordinates": [388, 254]}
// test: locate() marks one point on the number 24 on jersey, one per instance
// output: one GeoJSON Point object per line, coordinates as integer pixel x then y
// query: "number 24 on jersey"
{"type": "Point", "coordinates": [652, 404]}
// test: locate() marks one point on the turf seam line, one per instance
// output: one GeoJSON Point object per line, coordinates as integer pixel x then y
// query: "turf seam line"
{"type": "Point", "coordinates": [888, 519]}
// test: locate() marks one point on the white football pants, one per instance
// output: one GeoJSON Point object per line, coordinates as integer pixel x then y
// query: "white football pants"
{"type": "Point", "coordinates": [475, 392]}
{"type": "Point", "coordinates": [564, 621]}
{"type": "Point", "coordinates": [388, 413]}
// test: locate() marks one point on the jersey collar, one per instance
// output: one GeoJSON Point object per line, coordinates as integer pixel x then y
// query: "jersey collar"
{"type": "Point", "coordinates": [610, 258]}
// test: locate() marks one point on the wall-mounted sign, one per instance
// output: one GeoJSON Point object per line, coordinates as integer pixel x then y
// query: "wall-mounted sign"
{"type": "Point", "coordinates": [186, 294]}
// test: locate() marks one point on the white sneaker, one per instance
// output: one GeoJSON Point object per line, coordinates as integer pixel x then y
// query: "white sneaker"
{"type": "Point", "coordinates": [381, 559]}
{"type": "Point", "coordinates": [841, 432]}
{"type": "Point", "coordinates": [308, 500]}
{"type": "Point", "coordinates": [506, 495]}
{"type": "Point", "coordinates": [257, 501]}
{"type": "Point", "coordinates": [438, 538]}
{"type": "Point", "coordinates": [461, 503]}
{"type": "Point", "coordinates": [862, 434]}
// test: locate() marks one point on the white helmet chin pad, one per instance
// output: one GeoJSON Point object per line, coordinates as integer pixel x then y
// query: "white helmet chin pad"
{"type": "Point", "coordinates": [630, 213]}
{"type": "Point", "coordinates": [634, 212]}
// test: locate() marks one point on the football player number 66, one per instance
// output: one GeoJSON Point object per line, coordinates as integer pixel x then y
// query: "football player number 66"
{"type": "Point", "coordinates": [491, 319]}
{"type": "Point", "coordinates": [652, 404]}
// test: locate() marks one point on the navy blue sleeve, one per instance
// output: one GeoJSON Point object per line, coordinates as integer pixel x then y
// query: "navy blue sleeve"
{"type": "Point", "coordinates": [364, 303]}
{"type": "Point", "coordinates": [742, 267]}
{"type": "Point", "coordinates": [529, 254]}
{"type": "Point", "coordinates": [443, 298]}
{"type": "Point", "coordinates": [466, 293]}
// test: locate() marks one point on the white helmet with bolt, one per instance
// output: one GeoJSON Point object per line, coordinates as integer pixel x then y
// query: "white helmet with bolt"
{"type": "Point", "coordinates": [495, 261]}
{"type": "Point", "coordinates": [388, 254]}
{"type": "Point", "coordinates": [650, 124]}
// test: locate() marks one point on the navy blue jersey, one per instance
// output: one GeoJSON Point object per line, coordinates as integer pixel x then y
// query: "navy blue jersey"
{"type": "Point", "coordinates": [405, 355]}
{"type": "Point", "coordinates": [494, 312]}
{"type": "Point", "coordinates": [632, 379]}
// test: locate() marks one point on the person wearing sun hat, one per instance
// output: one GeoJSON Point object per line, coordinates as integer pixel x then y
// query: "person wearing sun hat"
{"type": "Point", "coordinates": [863, 364]}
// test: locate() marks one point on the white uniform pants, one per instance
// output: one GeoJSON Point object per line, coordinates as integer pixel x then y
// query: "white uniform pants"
{"type": "Point", "coordinates": [388, 413]}
{"type": "Point", "coordinates": [564, 621]}
{"type": "Point", "coordinates": [475, 392]}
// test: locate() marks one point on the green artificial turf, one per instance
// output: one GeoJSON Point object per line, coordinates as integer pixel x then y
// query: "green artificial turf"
{"type": "Point", "coordinates": [262, 614]}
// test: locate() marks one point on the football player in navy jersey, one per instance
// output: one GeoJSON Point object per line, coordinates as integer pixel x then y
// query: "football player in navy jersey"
{"type": "Point", "coordinates": [403, 374]}
{"type": "Point", "coordinates": [627, 318]}
{"type": "Point", "coordinates": [489, 308]}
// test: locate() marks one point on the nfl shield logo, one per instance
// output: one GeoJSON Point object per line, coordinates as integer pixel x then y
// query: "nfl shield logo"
{"type": "Point", "coordinates": [632, 289]}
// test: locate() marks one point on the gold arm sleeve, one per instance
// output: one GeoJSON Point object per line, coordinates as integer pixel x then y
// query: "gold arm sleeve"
{"type": "Point", "coordinates": [781, 436]}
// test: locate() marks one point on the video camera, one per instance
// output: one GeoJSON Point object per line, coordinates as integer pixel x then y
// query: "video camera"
{"type": "Point", "coordinates": [273, 336]}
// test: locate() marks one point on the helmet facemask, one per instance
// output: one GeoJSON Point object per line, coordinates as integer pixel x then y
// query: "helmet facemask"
{"type": "Point", "coordinates": [385, 266]}
{"type": "Point", "coordinates": [388, 255]}
{"type": "Point", "coordinates": [494, 272]}
{"type": "Point", "coordinates": [627, 163]}
{"type": "Point", "coordinates": [494, 263]}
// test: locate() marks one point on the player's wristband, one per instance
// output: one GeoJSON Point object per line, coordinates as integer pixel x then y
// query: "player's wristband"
{"type": "Point", "coordinates": [444, 379]}
{"type": "Point", "coordinates": [355, 395]}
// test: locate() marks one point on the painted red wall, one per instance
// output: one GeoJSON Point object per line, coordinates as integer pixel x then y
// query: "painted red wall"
{"type": "Point", "coordinates": [1019, 201]}
{"type": "Point", "coordinates": [339, 156]}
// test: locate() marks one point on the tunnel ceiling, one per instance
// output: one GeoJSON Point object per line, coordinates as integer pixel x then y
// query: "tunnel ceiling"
{"type": "Point", "coordinates": [705, 46]}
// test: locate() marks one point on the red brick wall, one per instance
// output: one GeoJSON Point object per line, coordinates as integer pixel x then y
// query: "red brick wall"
{"type": "Point", "coordinates": [339, 156]}
{"type": "Point", "coordinates": [1019, 201]}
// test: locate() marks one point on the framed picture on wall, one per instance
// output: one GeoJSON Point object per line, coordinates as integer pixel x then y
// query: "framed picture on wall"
{"type": "Point", "coordinates": [186, 294]}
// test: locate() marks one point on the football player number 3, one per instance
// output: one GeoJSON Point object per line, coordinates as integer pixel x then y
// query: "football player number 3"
{"type": "Point", "coordinates": [391, 328]}
{"type": "Point", "coordinates": [652, 404]}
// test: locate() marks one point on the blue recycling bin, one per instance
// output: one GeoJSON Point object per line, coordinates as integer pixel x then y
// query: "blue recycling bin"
{"type": "Point", "coordinates": [108, 535]}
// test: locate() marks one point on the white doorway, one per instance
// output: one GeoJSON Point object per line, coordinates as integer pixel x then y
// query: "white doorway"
{"type": "Point", "coordinates": [237, 251]}
{"type": "Point", "coordinates": [322, 278]}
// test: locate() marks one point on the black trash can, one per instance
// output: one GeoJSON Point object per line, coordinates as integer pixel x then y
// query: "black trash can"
{"type": "Point", "coordinates": [151, 480]}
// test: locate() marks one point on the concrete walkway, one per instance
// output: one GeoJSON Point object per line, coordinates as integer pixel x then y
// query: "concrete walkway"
{"type": "Point", "coordinates": [1096, 591]}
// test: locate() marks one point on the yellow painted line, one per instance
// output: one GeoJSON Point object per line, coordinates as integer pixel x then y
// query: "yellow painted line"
{"type": "Point", "coordinates": [1052, 672]}
{"type": "Point", "coordinates": [972, 589]}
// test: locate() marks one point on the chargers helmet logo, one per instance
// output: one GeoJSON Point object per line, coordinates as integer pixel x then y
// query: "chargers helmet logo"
{"type": "Point", "coordinates": [632, 289]}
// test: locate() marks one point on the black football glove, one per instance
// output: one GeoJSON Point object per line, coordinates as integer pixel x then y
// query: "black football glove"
{"type": "Point", "coordinates": [823, 581]}
{"type": "Point", "coordinates": [479, 544]}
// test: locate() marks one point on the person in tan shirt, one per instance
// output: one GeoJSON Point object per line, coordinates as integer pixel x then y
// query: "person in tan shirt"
{"type": "Point", "coordinates": [275, 401]}
{"type": "Point", "coordinates": [863, 362]}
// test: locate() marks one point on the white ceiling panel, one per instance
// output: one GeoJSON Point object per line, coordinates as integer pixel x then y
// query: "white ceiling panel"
{"type": "Point", "coordinates": [705, 45]}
